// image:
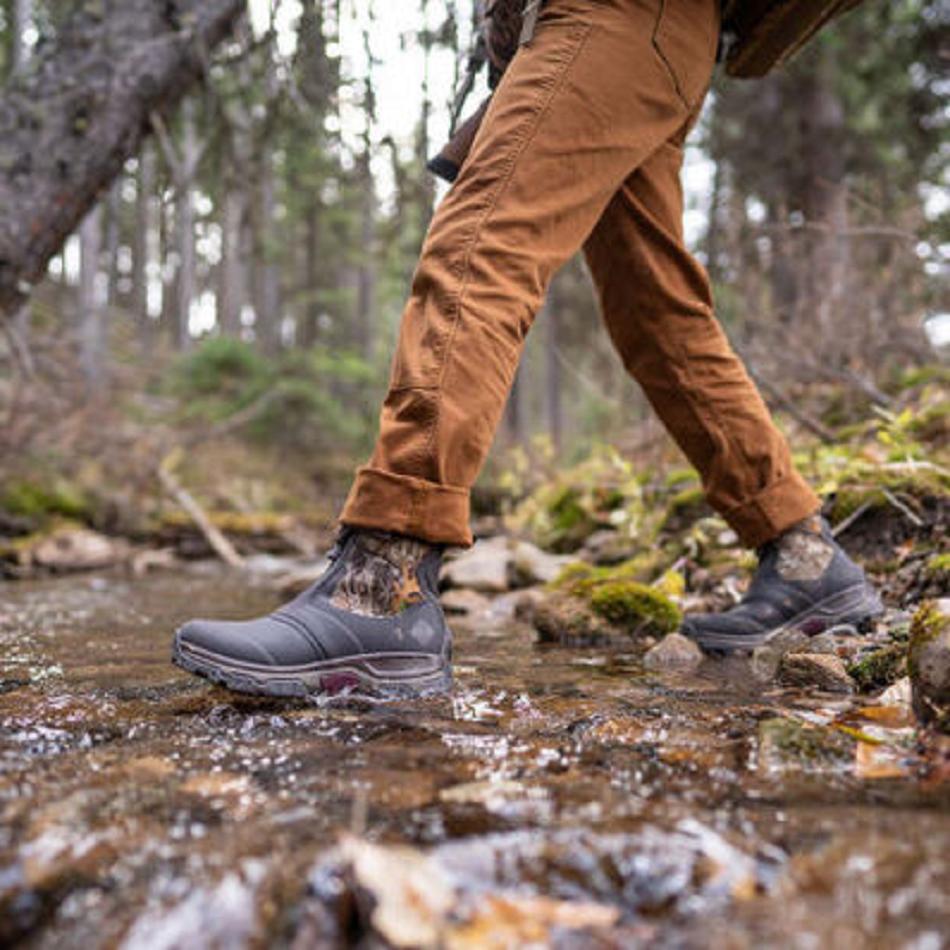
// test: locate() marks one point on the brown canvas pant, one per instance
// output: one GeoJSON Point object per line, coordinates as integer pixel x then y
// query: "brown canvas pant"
{"type": "Point", "coordinates": [581, 147]}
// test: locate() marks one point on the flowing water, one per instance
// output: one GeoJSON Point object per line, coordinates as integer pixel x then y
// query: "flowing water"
{"type": "Point", "coordinates": [560, 796]}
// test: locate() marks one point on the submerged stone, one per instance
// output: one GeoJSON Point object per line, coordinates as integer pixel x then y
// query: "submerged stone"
{"type": "Point", "coordinates": [673, 652]}
{"type": "Point", "coordinates": [766, 658]}
{"type": "Point", "coordinates": [819, 670]}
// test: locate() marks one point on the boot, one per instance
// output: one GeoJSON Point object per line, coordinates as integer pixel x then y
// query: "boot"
{"type": "Point", "coordinates": [372, 623]}
{"type": "Point", "coordinates": [804, 581]}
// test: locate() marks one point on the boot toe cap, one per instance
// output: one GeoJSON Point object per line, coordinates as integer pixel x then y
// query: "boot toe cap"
{"type": "Point", "coordinates": [263, 642]}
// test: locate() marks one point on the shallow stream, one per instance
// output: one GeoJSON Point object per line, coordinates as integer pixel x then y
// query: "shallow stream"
{"type": "Point", "coordinates": [560, 796]}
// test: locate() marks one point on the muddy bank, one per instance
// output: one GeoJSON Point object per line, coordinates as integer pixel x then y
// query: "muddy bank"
{"type": "Point", "coordinates": [557, 791]}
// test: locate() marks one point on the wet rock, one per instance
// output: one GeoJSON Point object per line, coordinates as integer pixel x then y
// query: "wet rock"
{"type": "Point", "coordinates": [225, 915]}
{"type": "Point", "coordinates": [609, 547]}
{"type": "Point", "coordinates": [461, 600]}
{"type": "Point", "coordinates": [766, 658]}
{"type": "Point", "coordinates": [526, 888]}
{"type": "Point", "coordinates": [789, 744]}
{"type": "Point", "coordinates": [482, 793]}
{"type": "Point", "coordinates": [483, 567]}
{"type": "Point", "coordinates": [928, 663]}
{"type": "Point", "coordinates": [820, 643]}
{"type": "Point", "coordinates": [76, 549]}
{"type": "Point", "coordinates": [819, 670]}
{"type": "Point", "coordinates": [528, 564]}
{"type": "Point", "coordinates": [897, 694]}
{"type": "Point", "coordinates": [673, 652]}
{"type": "Point", "coordinates": [561, 618]}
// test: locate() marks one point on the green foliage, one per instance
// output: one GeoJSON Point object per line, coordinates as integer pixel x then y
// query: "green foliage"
{"type": "Point", "coordinates": [220, 377]}
{"type": "Point", "coordinates": [305, 399]}
{"type": "Point", "coordinates": [601, 491]}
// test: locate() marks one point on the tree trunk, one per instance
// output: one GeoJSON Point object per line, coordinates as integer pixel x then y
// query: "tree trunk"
{"type": "Point", "coordinates": [310, 329]}
{"type": "Point", "coordinates": [552, 370]}
{"type": "Point", "coordinates": [185, 224]}
{"type": "Point", "coordinates": [22, 20]}
{"type": "Point", "coordinates": [91, 314]}
{"type": "Point", "coordinates": [114, 239]}
{"type": "Point", "coordinates": [366, 272]}
{"type": "Point", "coordinates": [145, 225]}
{"type": "Point", "coordinates": [231, 284]}
{"type": "Point", "coordinates": [69, 123]}
{"type": "Point", "coordinates": [268, 317]}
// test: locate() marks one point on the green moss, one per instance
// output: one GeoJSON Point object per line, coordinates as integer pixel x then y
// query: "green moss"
{"type": "Point", "coordinates": [879, 669]}
{"type": "Point", "coordinates": [849, 499]}
{"type": "Point", "coordinates": [39, 500]}
{"type": "Point", "coordinates": [635, 607]}
{"type": "Point", "coordinates": [581, 579]}
{"type": "Point", "coordinates": [938, 566]}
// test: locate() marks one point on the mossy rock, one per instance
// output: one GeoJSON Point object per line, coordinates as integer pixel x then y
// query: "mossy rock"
{"type": "Point", "coordinates": [37, 501]}
{"type": "Point", "coordinates": [938, 568]}
{"type": "Point", "coordinates": [785, 742]}
{"type": "Point", "coordinates": [928, 662]}
{"type": "Point", "coordinates": [880, 668]}
{"type": "Point", "coordinates": [581, 579]}
{"type": "Point", "coordinates": [563, 619]}
{"type": "Point", "coordinates": [637, 608]}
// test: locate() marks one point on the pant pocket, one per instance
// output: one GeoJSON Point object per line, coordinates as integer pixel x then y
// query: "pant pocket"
{"type": "Point", "coordinates": [685, 39]}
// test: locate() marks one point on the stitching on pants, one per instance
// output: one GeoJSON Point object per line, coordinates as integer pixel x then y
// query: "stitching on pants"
{"type": "Point", "coordinates": [654, 41]}
{"type": "Point", "coordinates": [543, 102]}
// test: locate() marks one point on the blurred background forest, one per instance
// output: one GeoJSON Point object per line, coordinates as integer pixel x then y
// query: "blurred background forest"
{"type": "Point", "coordinates": [234, 296]}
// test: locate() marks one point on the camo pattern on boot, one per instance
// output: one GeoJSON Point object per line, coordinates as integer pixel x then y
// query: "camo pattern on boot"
{"type": "Point", "coordinates": [380, 577]}
{"type": "Point", "coordinates": [803, 552]}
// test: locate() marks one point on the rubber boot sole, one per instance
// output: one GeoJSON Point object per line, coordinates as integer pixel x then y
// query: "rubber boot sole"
{"type": "Point", "coordinates": [375, 676]}
{"type": "Point", "coordinates": [855, 606]}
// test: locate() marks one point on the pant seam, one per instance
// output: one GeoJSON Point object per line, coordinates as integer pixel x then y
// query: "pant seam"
{"type": "Point", "coordinates": [667, 65]}
{"type": "Point", "coordinates": [545, 98]}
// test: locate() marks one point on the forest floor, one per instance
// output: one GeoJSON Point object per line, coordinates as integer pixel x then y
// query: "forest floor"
{"type": "Point", "coordinates": [591, 780]}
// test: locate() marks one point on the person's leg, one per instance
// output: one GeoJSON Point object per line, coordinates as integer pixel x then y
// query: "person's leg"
{"type": "Point", "coordinates": [599, 89]}
{"type": "Point", "coordinates": [657, 304]}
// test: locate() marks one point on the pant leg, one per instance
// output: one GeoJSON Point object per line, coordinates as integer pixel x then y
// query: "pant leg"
{"type": "Point", "coordinates": [602, 85]}
{"type": "Point", "coordinates": [657, 304]}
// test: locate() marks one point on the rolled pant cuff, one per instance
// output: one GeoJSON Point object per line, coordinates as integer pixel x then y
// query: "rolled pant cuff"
{"type": "Point", "coordinates": [772, 511]}
{"type": "Point", "coordinates": [411, 506]}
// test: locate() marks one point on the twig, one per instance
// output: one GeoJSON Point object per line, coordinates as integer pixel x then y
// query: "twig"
{"type": "Point", "coordinates": [219, 543]}
{"type": "Point", "coordinates": [901, 506]}
{"type": "Point", "coordinates": [915, 465]}
{"type": "Point", "coordinates": [843, 526]}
